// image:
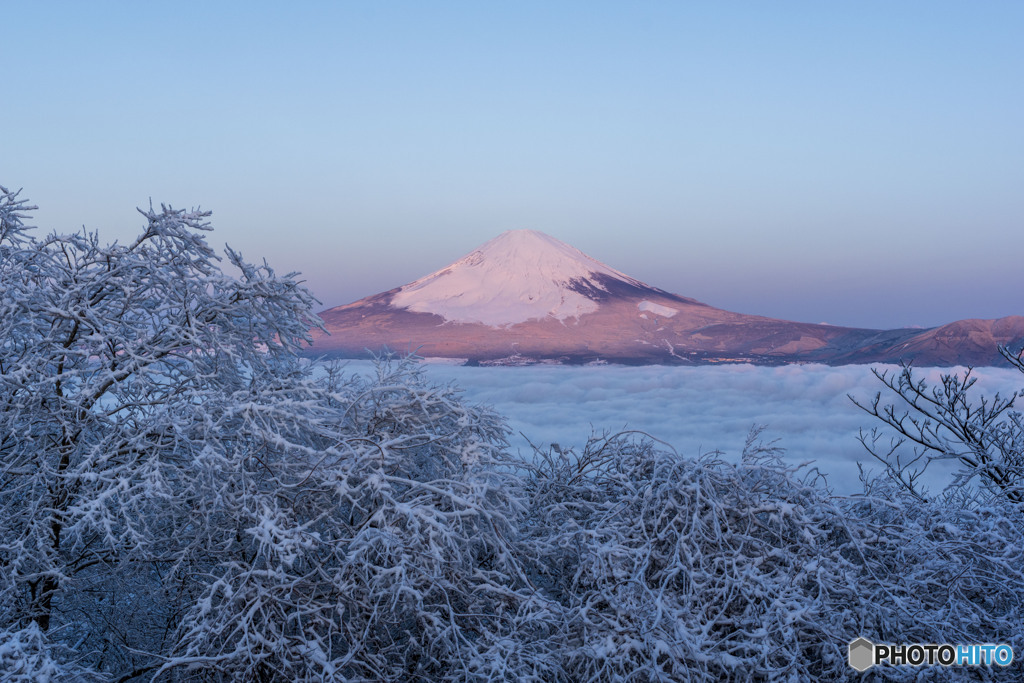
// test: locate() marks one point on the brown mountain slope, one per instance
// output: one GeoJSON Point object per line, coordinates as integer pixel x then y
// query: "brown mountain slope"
{"type": "Point", "coordinates": [624, 329]}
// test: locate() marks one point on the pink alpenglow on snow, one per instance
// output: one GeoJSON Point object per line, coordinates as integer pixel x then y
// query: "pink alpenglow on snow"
{"type": "Point", "coordinates": [519, 275]}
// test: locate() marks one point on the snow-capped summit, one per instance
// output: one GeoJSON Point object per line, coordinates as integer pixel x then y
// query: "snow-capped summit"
{"type": "Point", "coordinates": [519, 275]}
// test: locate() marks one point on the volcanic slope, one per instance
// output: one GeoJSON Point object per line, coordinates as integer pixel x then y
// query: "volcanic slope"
{"type": "Point", "coordinates": [526, 297]}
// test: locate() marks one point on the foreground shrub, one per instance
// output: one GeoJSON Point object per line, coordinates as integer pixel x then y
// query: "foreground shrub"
{"type": "Point", "coordinates": [697, 569]}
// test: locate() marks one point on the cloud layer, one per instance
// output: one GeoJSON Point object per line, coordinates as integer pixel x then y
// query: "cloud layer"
{"type": "Point", "coordinates": [698, 409]}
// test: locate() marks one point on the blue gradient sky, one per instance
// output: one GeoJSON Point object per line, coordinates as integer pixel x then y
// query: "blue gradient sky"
{"type": "Point", "coordinates": [852, 163]}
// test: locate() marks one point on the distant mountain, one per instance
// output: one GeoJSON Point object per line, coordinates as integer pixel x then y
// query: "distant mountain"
{"type": "Point", "coordinates": [525, 297]}
{"type": "Point", "coordinates": [964, 342]}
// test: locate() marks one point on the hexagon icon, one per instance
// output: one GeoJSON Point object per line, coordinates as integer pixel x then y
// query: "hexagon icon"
{"type": "Point", "coordinates": [862, 654]}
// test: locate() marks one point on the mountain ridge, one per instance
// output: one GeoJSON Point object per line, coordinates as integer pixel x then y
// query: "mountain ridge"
{"type": "Point", "coordinates": [526, 297]}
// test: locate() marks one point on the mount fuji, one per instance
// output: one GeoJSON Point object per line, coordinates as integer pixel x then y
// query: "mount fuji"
{"type": "Point", "coordinates": [525, 297]}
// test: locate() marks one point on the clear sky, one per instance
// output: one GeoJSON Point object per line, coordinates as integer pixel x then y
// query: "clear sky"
{"type": "Point", "coordinates": [857, 163]}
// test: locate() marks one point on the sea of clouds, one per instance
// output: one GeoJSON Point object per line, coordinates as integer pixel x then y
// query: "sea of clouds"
{"type": "Point", "coordinates": [806, 408]}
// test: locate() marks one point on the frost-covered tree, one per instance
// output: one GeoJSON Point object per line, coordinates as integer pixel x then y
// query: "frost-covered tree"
{"type": "Point", "coordinates": [947, 564]}
{"type": "Point", "coordinates": [181, 497]}
{"type": "Point", "coordinates": [388, 557]}
{"type": "Point", "coordinates": [678, 569]}
{"type": "Point", "coordinates": [135, 380]}
{"type": "Point", "coordinates": [673, 568]}
{"type": "Point", "coordinates": [983, 436]}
